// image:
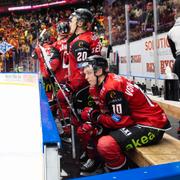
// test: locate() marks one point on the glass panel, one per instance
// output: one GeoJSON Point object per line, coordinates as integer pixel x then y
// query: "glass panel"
{"type": "Point", "coordinates": [116, 10]}
{"type": "Point", "coordinates": [141, 20]}
{"type": "Point", "coordinates": [165, 15]}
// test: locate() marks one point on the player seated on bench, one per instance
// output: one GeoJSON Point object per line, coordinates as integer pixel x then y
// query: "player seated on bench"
{"type": "Point", "coordinates": [129, 119]}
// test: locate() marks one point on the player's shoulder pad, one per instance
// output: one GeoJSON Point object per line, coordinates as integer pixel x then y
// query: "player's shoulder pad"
{"type": "Point", "coordinates": [117, 102]}
{"type": "Point", "coordinates": [114, 97]}
{"type": "Point", "coordinates": [80, 45]}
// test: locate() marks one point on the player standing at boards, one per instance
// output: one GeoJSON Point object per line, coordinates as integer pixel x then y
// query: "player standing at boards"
{"type": "Point", "coordinates": [82, 43]}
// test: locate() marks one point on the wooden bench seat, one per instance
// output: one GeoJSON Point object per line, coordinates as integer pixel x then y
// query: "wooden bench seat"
{"type": "Point", "coordinates": [168, 150]}
{"type": "Point", "coordinates": [171, 108]}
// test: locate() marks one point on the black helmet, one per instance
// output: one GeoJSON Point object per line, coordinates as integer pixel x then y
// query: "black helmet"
{"type": "Point", "coordinates": [63, 28]}
{"type": "Point", "coordinates": [83, 14]}
{"type": "Point", "coordinates": [97, 62]}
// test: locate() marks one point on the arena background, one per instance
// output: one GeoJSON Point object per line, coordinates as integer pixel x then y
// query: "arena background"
{"type": "Point", "coordinates": [128, 31]}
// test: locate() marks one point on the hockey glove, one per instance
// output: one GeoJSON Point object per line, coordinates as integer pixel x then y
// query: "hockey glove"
{"type": "Point", "coordinates": [90, 114]}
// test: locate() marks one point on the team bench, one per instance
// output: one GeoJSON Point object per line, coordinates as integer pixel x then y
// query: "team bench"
{"type": "Point", "coordinates": [171, 108]}
{"type": "Point", "coordinates": [168, 150]}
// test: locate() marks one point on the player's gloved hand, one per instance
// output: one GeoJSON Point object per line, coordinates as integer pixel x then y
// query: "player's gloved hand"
{"type": "Point", "coordinates": [90, 114]}
{"type": "Point", "coordinates": [86, 131]}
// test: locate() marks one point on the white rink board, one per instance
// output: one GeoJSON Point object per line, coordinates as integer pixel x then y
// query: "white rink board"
{"type": "Point", "coordinates": [21, 154]}
{"type": "Point", "coordinates": [144, 66]}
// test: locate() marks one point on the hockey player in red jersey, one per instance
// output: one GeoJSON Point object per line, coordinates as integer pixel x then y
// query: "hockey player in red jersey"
{"type": "Point", "coordinates": [129, 117]}
{"type": "Point", "coordinates": [82, 43]}
{"type": "Point", "coordinates": [62, 75]}
{"type": "Point", "coordinates": [61, 46]}
{"type": "Point", "coordinates": [51, 54]}
{"type": "Point", "coordinates": [51, 58]}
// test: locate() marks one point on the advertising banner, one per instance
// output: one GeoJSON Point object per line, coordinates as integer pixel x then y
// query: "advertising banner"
{"type": "Point", "coordinates": [142, 61]}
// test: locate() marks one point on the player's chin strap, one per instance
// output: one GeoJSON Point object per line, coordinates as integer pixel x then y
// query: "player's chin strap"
{"type": "Point", "coordinates": [71, 38]}
{"type": "Point", "coordinates": [98, 84]}
{"type": "Point", "coordinates": [47, 60]}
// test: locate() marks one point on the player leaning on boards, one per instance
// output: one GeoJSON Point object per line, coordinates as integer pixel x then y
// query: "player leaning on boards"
{"type": "Point", "coordinates": [129, 118]}
{"type": "Point", "coordinates": [82, 43]}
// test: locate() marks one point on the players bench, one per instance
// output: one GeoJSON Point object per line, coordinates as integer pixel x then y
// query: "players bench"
{"type": "Point", "coordinates": [168, 150]}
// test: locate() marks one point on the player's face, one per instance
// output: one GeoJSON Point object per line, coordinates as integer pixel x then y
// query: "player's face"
{"type": "Point", "coordinates": [73, 24]}
{"type": "Point", "coordinates": [90, 76]}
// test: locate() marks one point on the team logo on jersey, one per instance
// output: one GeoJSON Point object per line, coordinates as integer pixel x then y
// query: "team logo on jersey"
{"type": "Point", "coordinates": [112, 94]}
{"type": "Point", "coordinates": [90, 101]}
{"type": "Point", "coordinates": [80, 44]}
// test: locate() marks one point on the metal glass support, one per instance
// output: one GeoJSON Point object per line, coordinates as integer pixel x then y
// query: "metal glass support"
{"type": "Point", "coordinates": [110, 29]}
{"type": "Point", "coordinates": [127, 40]}
{"type": "Point", "coordinates": [156, 59]}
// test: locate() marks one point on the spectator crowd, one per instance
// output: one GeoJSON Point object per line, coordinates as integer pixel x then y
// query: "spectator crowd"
{"type": "Point", "coordinates": [141, 18]}
{"type": "Point", "coordinates": [22, 29]}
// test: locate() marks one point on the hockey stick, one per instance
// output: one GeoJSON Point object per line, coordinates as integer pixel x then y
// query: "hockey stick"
{"type": "Point", "coordinates": [54, 91]}
{"type": "Point", "coordinates": [59, 86]}
{"type": "Point", "coordinates": [49, 68]}
{"type": "Point", "coordinates": [61, 131]}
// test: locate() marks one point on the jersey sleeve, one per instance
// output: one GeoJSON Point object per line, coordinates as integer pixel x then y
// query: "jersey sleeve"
{"type": "Point", "coordinates": [119, 112]}
{"type": "Point", "coordinates": [113, 121]}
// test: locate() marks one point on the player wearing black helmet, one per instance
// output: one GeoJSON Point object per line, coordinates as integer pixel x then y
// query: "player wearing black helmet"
{"type": "Point", "coordinates": [61, 74]}
{"type": "Point", "coordinates": [81, 18]}
{"type": "Point", "coordinates": [96, 62]}
{"type": "Point", "coordinates": [126, 113]}
{"type": "Point", "coordinates": [82, 44]}
{"type": "Point", "coordinates": [61, 46]}
{"type": "Point", "coordinates": [49, 53]}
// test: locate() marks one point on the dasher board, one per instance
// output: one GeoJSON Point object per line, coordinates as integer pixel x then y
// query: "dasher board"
{"type": "Point", "coordinates": [21, 155]}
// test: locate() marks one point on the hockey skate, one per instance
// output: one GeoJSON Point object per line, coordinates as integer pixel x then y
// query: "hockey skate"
{"type": "Point", "coordinates": [91, 167]}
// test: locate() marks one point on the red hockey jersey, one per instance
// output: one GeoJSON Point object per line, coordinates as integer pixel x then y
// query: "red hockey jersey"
{"type": "Point", "coordinates": [62, 64]}
{"type": "Point", "coordinates": [123, 103]}
{"type": "Point", "coordinates": [81, 47]}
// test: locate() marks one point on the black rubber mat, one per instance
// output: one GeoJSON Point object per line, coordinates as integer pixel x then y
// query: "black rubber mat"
{"type": "Point", "coordinates": [69, 165]}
